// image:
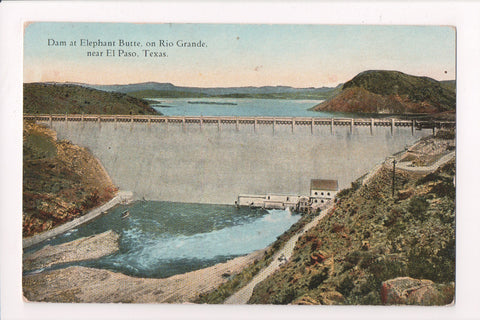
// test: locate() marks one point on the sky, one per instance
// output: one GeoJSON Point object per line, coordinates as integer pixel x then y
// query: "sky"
{"type": "Point", "coordinates": [232, 54]}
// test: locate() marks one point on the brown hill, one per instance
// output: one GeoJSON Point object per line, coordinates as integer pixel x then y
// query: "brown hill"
{"type": "Point", "coordinates": [61, 181]}
{"type": "Point", "coordinates": [46, 98]}
{"type": "Point", "coordinates": [391, 92]}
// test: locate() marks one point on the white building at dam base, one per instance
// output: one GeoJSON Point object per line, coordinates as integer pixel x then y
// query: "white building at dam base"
{"type": "Point", "coordinates": [321, 191]}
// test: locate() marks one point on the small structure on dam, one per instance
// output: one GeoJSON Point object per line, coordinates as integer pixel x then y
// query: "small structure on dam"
{"type": "Point", "coordinates": [321, 191]}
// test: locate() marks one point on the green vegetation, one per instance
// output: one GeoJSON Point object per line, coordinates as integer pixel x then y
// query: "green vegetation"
{"type": "Point", "coordinates": [418, 89]}
{"type": "Point", "coordinates": [37, 145]}
{"type": "Point", "coordinates": [61, 181]}
{"type": "Point", "coordinates": [452, 84]}
{"type": "Point", "coordinates": [236, 282]}
{"type": "Point", "coordinates": [369, 238]}
{"type": "Point", "coordinates": [445, 134]}
{"type": "Point", "coordinates": [43, 98]}
{"type": "Point", "coordinates": [393, 92]}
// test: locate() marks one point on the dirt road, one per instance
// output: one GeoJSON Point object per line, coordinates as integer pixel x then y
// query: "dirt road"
{"type": "Point", "coordinates": [282, 256]}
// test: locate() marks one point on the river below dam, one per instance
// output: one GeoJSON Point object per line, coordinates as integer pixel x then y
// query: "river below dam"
{"type": "Point", "coordinates": [161, 239]}
{"type": "Point", "coordinates": [175, 164]}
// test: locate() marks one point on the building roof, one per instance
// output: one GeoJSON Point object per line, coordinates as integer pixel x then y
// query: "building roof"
{"type": "Point", "coordinates": [320, 184]}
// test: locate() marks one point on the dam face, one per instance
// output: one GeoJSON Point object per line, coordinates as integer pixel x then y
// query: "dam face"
{"type": "Point", "coordinates": [210, 163]}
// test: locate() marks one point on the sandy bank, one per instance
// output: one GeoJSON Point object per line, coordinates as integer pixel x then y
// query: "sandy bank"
{"type": "Point", "coordinates": [86, 248]}
{"type": "Point", "coordinates": [81, 284]}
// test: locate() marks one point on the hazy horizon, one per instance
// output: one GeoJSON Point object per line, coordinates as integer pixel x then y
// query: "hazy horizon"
{"type": "Point", "coordinates": [232, 55]}
{"type": "Point", "coordinates": [203, 87]}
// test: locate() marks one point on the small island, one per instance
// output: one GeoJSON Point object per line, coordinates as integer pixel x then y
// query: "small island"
{"type": "Point", "coordinates": [213, 102]}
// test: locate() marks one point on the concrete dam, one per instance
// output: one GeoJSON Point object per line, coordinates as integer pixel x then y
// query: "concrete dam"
{"type": "Point", "coordinates": [213, 160]}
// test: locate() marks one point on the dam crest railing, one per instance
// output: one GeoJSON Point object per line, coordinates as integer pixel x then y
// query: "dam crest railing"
{"type": "Point", "coordinates": [255, 121]}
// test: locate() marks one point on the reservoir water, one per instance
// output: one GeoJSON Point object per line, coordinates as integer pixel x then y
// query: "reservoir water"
{"type": "Point", "coordinates": [239, 107]}
{"type": "Point", "coordinates": [160, 239]}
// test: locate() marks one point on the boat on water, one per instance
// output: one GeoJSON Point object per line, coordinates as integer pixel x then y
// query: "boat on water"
{"type": "Point", "coordinates": [125, 214]}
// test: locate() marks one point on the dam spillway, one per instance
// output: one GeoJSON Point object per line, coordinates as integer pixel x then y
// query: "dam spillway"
{"type": "Point", "coordinates": [213, 160]}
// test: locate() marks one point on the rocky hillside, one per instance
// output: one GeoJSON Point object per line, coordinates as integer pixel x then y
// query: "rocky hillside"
{"type": "Point", "coordinates": [61, 181]}
{"type": "Point", "coordinates": [372, 244]}
{"type": "Point", "coordinates": [392, 92]}
{"type": "Point", "coordinates": [45, 98]}
{"type": "Point", "coordinates": [372, 248]}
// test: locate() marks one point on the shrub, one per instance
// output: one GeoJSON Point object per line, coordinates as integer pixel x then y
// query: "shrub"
{"type": "Point", "coordinates": [418, 207]}
{"type": "Point", "coordinates": [445, 259]}
{"type": "Point", "coordinates": [428, 178]}
{"type": "Point", "coordinates": [337, 228]}
{"type": "Point", "coordinates": [353, 257]}
{"type": "Point", "coordinates": [38, 146]}
{"type": "Point", "coordinates": [424, 263]}
{"type": "Point", "coordinates": [346, 285]}
{"type": "Point", "coordinates": [443, 189]}
{"type": "Point", "coordinates": [367, 259]}
{"type": "Point", "coordinates": [446, 212]}
{"type": "Point", "coordinates": [92, 200]}
{"type": "Point", "coordinates": [285, 296]}
{"type": "Point", "coordinates": [384, 270]}
{"type": "Point", "coordinates": [445, 134]}
{"type": "Point", "coordinates": [372, 298]}
{"type": "Point", "coordinates": [317, 279]}
{"type": "Point", "coordinates": [392, 217]}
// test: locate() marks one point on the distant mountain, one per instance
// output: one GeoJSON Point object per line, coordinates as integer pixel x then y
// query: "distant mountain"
{"type": "Point", "coordinates": [378, 91]}
{"type": "Point", "coordinates": [155, 89]}
{"type": "Point", "coordinates": [70, 98]}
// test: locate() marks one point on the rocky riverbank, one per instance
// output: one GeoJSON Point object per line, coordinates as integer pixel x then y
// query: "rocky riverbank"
{"type": "Point", "coordinates": [120, 197]}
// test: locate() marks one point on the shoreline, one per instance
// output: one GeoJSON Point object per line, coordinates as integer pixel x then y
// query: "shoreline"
{"type": "Point", "coordinates": [90, 285]}
{"type": "Point", "coordinates": [84, 284]}
{"type": "Point", "coordinates": [120, 197]}
{"type": "Point", "coordinates": [181, 288]}
{"type": "Point", "coordinates": [85, 248]}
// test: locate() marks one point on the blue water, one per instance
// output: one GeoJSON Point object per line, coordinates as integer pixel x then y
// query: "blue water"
{"type": "Point", "coordinates": [160, 239]}
{"type": "Point", "coordinates": [239, 107]}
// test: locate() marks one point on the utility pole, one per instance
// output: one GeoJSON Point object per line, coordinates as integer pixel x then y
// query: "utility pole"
{"type": "Point", "coordinates": [393, 178]}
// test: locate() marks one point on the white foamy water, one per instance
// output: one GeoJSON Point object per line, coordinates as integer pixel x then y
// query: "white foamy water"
{"type": "Point", "coordinates": [149, 251]}
{"type": "Point", "coordinates": [160, 239]}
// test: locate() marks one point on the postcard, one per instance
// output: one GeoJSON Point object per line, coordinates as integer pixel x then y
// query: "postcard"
{"type": "Point", "coordinates": [239, 163]}
{"type": "Point", "coordinates": [226, 163]}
